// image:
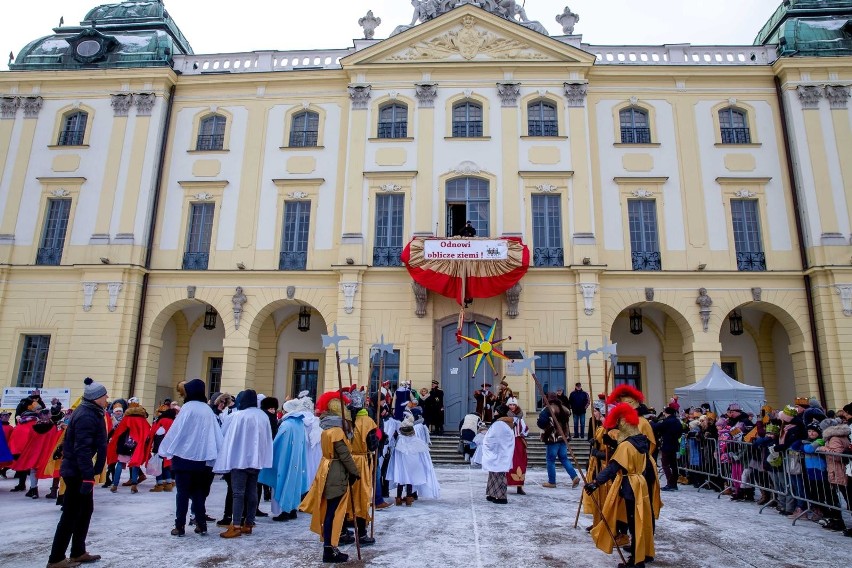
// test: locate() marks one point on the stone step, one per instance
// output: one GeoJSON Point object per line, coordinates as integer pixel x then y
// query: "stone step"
{"type": "Point", "coordinates": [444, 450]}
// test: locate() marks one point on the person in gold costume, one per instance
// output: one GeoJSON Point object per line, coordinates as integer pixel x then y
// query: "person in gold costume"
{"type": "Point", "coordinates": [364, 444]}
{"type": "Point", "coordinates": [628, 499]}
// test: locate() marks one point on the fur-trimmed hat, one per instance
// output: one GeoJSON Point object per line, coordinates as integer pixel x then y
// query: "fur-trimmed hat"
{"type": "Point", "coordinates": [268, 403]}
{"type": "Point", "coordinates": [224, 398]}
{"type": "Point", "coordinates": [622, 411]}
{"type": "Point", "coordinates": [625, 391]}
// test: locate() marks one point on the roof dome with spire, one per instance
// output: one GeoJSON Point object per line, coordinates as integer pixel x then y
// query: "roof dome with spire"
{"type": "Point", "coordinates": [133, 33]}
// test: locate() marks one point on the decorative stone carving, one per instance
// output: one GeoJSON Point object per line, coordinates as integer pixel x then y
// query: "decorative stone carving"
{"type": "Point", "coordinates": [732, 101]}
{"type": "Point", "coordinates": [297, 195]}
{"type": "Point", "coordinates": [239, 300]}
{"type": "Point", "coordinates": [349, 290]}
{"type": "Point", "coordinates": [704, 302]}
{"type": "Point", "coordinates": [642, 193]}
{"type": "Point", "coordinates": [576, 94]}
{"type": "Point", "coordinates": [546, 188]}
{"type": "Point", "coordinates": [468, 93]}
{"type": "Point", "coordinates": [756, 294]}
{"type": "Point", "coordinates": [634, 100]}
{"type": "Point", "coordinates": [421, 296]}
{"type": "Point", "coordinates": [466, 168]}
{"type": "Point", "coordinates": [291, 292]}
{"type": "Point", "coordinates": [837, 95]}
{"type": "Point", "coordinates": [744, 194]}
{"type": "Point", "coordinates": [9, 107]}
{"type": "Point", "coordinates": [114, 288]}
{"type": "Point", "coordinates": [369, 23]}
{"type": "Point", "coordinates": [845, 291]}
{"type": "Point", "coordinates": [144, 103]}
{"type": "Point", "coordinates": [190, 292]}
{"type": "Point", "coordinates": [360, 96]}
{"type": "Point", "coordinates": [509, 93]}
{"type": "Point", "coordinates": [31, 105]}
{"type": "Point", "coordinates": [567, 19]}
{"type": "Point", "coordinates": [513, 298]}
{"type": "Point", "coordinates": [60, 193]}
{"type": "Point", "coordinates": [649, 294]}
{"type": "Point", "coordinates": [426, 94]}
{"type": "Point", "coordinates": [589, 291]}
{"type": "Point", "coordinates": [469, 43]}
{"type": "Point", "coordinates": [390, 188]}
{"type": "Point", "coordinates": [121, 104]}
{"type": "Point", "coordinates": [89, 289]}
{"type": "Point", "coordinates": [203, 196]}
{"type": "Point", "coordinates": [809, 95]}
{"type": "Point", "coordinates": [425, 10]}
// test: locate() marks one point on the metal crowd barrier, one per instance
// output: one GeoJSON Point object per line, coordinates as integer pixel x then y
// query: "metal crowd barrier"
{"type": "Point", "coordinates": [700, 462]}
{"type": "Point", "coordinates": [796, 482]}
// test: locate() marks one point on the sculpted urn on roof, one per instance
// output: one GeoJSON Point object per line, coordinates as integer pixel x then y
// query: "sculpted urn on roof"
{"type": "Point", "coordinates": [425, 10]}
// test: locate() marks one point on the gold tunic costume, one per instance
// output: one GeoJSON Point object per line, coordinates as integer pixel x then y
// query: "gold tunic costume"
{"type": "Point", "coordinates": [362, 490]}
{"type": "Point", "coordinates": [595, 467]}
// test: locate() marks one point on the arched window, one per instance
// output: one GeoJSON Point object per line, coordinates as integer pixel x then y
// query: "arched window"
{"type": "Point", "coordinates": [467, 120]}
{"type": "Point", "coordinates": [733, 124]}
{"type": "Point", "coordinates": [304, 131]}
{"type": "Point", "coordinates": [541, 117]}
{"type": "Point", "coordinates": [211, 133]}
{"type": "Point", "coordinates": [393, 121]}
{"type": "Point", "coordinates": [634, 126]}
{"type": "Point", "coordinates": [73, 129]}
{"type": "Point", "coordinates": [467, 200]}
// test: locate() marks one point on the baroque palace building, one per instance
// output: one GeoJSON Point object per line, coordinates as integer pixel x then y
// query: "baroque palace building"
{"type": "Point", "coordinates": [166, 215]}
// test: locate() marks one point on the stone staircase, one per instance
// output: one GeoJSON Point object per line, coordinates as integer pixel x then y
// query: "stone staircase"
{"type": "Point", "coordinates": [445, 451]}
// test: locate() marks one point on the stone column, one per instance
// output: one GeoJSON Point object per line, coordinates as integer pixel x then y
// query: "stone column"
{"type": "Point", "coordinates": [423, 192]}
{"type": "Point", "coordinates": [238, 364]}
{"type": "Point", "coordinates": [699, 356]}
{"type": "Point", "coordinates": [509, 185]}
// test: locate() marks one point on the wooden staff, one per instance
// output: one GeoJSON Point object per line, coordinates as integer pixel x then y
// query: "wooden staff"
{"type": "Point", "coordinates": [347, 429]}
{"type": "Point", "coordinates": [376, 453]}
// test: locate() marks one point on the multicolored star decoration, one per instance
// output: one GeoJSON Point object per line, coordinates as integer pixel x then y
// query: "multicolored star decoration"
{"type": "Point", "coordinates": [485, 347]}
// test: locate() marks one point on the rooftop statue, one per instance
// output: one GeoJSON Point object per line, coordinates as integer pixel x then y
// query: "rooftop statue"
{"type": "Point", "coordinates": [425, 10]}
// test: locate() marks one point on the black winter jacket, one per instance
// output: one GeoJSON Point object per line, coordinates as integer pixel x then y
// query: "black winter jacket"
{"type": "Point", "coordinates": [86, 437]}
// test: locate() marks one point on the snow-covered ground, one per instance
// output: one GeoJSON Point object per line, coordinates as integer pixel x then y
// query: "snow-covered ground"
{"type": "Point", "coordinates": [696, 530]}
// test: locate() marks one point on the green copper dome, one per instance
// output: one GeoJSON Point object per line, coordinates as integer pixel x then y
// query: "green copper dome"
{"type": "Point", "coordinates": [134, 33]}
{"type": "Point", "coordinates": [821, 28]}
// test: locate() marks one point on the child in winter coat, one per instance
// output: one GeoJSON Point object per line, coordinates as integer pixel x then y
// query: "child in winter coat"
{"type": "Point", "coordinates": [128, 442]}
{"type": "Point", "coordinates": [836, 436]}
{"type": "Point", "coordinates": [817, 487]}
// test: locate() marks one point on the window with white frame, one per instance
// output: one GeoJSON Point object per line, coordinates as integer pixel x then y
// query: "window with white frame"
{"type": "Point", "coordinates": [745, 217]}
{"type": "Point", "coordinates": [53, 235]}
{"type": "Point", "coordinates": [390, 218]}
{"type": "Point", "coordinates": [294, 240]}
{"type": "Point", "coordinates": [547, 231]}
{"type": "Point", "coordinates": [196, 255]}
{"type": "Point", "coordinates": [644, 243]}
{"type": "Point", "coordinates": [467, 200]}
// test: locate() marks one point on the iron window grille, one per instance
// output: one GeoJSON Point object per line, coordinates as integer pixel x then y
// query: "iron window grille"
{"type": "Point", "coordinates": [644, 244]}
{"type": "Point", "coordinates": [747, 239]}
{"type": "Point", "coordinates": [73, 129]}
{"type": "Point", "coordinates": [197, 253]}
{"type": "Point", "coordinates": [733, 124]}
{"type": "Point", "coordinates": [55, 228]}
{"type": "Point", "coordinates": [390, 217]}
{"type": "Point", "coordinates": [547, 231]}
{"type": "Point", "coordinates": [304, 132]}
{"type": "Point", "coordinates": [634, 126]}
{"type": "Point", "coordinates": [294, 240]}
{"type": "Point", "coordinates": [211, 133]}
{"type": "Point", "coordinates": [393, 121]}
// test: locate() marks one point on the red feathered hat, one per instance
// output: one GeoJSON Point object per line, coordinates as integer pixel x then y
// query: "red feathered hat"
{"type": "Point", "coordinates": [622, 411]}
{"type": "Point", "coordinates": [625, 391]}
{"type": "Point", "coordinates": [324, 400]}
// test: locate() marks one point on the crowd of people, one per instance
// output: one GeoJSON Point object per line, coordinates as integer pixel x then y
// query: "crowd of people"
{"type": "Point", "coordinates": [333, 460]}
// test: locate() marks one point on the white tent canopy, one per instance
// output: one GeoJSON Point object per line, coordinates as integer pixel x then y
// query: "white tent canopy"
{"type": "Point", "coordinates": [719, 390]}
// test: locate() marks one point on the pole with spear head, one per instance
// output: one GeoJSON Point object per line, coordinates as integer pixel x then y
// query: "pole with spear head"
{"type": "Point", "coordinates": [586, 354]}
{"type": "Point", "coordinates": [381, 348]}
{"type": "Point", "coordinates": [328, 340]}
{"type": "Point", "coordinates": [526, 363]}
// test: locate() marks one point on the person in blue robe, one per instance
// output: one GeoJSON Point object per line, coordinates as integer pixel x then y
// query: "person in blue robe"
{"type": "Point", "coordinates": [288, 475]}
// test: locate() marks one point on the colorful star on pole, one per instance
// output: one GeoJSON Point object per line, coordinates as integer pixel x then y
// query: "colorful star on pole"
{"type": "Point", "coordinates": [485, 347]}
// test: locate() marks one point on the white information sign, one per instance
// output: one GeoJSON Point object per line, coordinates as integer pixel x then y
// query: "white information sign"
{"type": "Point", "coordinates": [464, 249]}
{"type": "Point", "coordinates": [13, 395]}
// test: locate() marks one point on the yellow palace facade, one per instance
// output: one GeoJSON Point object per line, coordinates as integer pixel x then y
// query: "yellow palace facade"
{"type": "Point", "coordinates": [166, 215]}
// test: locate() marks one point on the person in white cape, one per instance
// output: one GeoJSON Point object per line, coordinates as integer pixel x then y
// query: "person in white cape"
{"type": "Point", "coordinates": [314, 434]}
{"type": "Point", "coordinates": [192, 443]}
{"type": "Point", "coordinates": [498, 447]}
{"type": "Point", "coordinates": [246, 449]}
{"type": "Point", "coordinates": [411, 465]}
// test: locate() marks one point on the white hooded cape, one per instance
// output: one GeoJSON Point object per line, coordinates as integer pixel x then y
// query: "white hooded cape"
{"type": "Point", "coordinates": [247, 442]}
{"type": "Point", "coordinates": [194, 435]}
{"type": "Point", "coordinates": [498, 447]}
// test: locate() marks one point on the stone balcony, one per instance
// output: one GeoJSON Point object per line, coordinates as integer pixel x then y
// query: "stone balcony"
{"type": "Point", "coordinates": [672, 54]}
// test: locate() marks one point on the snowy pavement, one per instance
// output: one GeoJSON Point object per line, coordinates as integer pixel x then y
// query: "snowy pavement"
{"type": "Point", "coordinates": [696, 530]}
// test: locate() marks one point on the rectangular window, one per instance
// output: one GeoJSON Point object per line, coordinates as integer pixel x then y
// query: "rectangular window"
{"type": "Point", "coordinates": [644, 245]}
{"type": "Point", "coordinates": [305, 376]}
{"type": "Point", "coordinates": [390, 368]}
{"type": "Point", "coordinates": [747, 241]}
{"type": "Point", "coordinates": [627, 373]}
{"type": "Point", "coordinates": [214, 374]}
{"type": "Point", "coordinates": [294, 240]}
{"type": "Point", "coordinates": [467, 200]}
{"type": "Point", "coordinates": [730, 369]}
{"type": "Point", "coordinates": [53, 237]}
{"type": "Point", "coordinates": [389, 222]}
{"type": "Point", "coordinates": [33, 361]}
{"type": "Point", "coordinates": [550, 370]}
{"type": "Point", "coordinates": [197, 253]}
{"type": "Point", "coordinates": [547, 231]}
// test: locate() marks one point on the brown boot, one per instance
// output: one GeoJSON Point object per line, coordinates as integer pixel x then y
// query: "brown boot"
{"type": "Point", "coordinates": [246, 529]}
{"type": "Point", "coordinates": [232, 532]}
{"type": "Point", "coordinates": [134, 489]}
{"type": "Point", "coordinates": [398, 501]}
{"type": "Point", "coordinates": [168, 486]}
{"type": "Point", "coordinates": [409, 499]}
{"type": "Point", "coordinates": [160, 487]}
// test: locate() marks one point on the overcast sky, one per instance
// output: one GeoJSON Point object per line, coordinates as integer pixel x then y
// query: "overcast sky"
{"type": "Point", "coordinates": [223, 26]}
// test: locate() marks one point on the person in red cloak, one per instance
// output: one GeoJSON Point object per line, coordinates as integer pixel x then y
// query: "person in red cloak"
{"type": "Point", "coordinates": [32, 445]}
{"type": "Point", "coordinates": [158, 431]}
{"type": "Point", "coordinates": [6, 434]}
{"type": "Point", "coordinates": [129, 444]}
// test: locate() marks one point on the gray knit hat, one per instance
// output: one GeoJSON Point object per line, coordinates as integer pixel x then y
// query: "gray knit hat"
{"type": "Point", "coordinates": [93, 390]}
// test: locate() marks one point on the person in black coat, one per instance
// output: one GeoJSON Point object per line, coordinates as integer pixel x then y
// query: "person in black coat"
{"type": "Point", "coordinates": [85, 439]}
{"type": "Point", "coordinates": [669, 430]}
{"type": "Point", "coordinates": [436, 407]}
